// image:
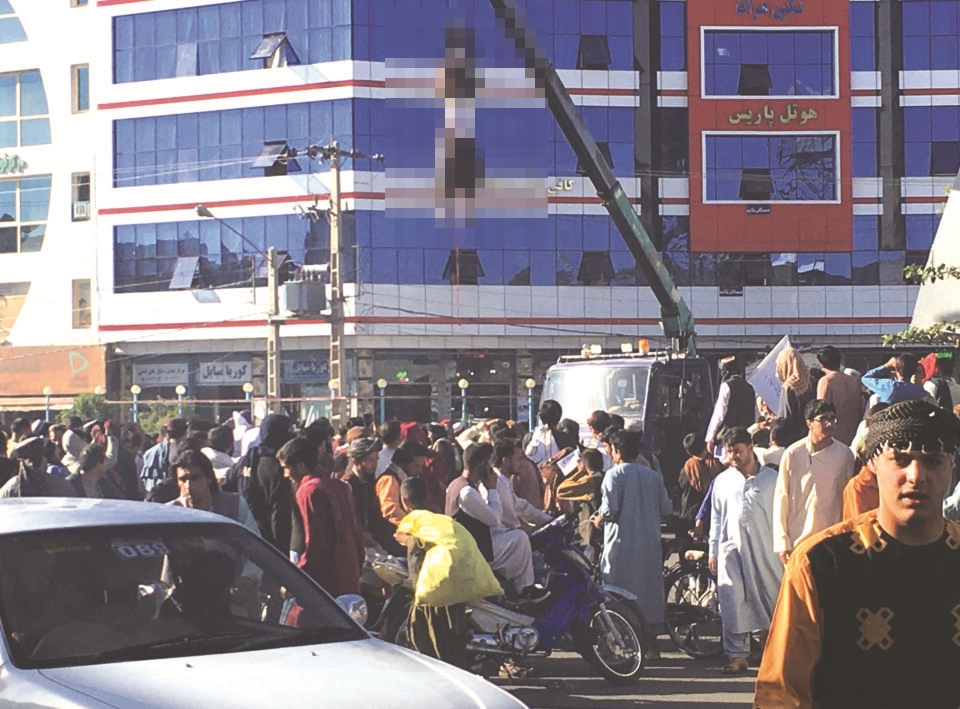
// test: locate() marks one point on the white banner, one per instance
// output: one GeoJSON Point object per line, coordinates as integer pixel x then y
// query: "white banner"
{"type": "Point", "coordinates": [153, 375]}
{"type": "Point", "coordinates": [764, 378]}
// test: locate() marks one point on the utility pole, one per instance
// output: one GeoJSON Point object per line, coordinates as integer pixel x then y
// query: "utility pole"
{"type": "Point", "coordinates": [274, 402]}
{"type": "Point", "coordinates": [338, 412]}
{"type": "Point", "coordinates": [274, 320]}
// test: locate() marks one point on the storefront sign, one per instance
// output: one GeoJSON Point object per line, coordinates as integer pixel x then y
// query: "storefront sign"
{"type": "Point", "coordinates": [233, 372]}
{"type": "Point", "coordinates": [154, 375]}
{"type": "Point", "coordinates": [791, 114]}
{"type": "Point", "coordinates": [26, 371]}
{"type": "Point", "coordinates": [11, 164]}
{"type": "Point", "coordinates": [776, 10]}
{"type": "Point", "coordinates": [305, 370]}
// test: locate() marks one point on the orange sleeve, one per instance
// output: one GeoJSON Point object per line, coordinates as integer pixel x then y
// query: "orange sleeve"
{"type": "Point", "coordinates": [851, 508]}
{"type": "Point", "coordinates": [794, 644]}
{"type": "Point", "coordinates": [388, 492]}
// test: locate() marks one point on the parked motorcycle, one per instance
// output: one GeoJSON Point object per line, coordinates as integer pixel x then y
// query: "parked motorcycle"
{"type": "Point", "coordinates": [603, 623]}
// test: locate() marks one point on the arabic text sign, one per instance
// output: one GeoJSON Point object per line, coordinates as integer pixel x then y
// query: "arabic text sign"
{"type": "Point", "coordinates": [234, 372]}
{"type": "Point", "coordinates": [776, 9]}
{"type": "Point", "coordinates": [305, 370]}
{"type": "Point", "coordinates": [791, 115]}
{"type": "Point", "coordinates": [167, 374]}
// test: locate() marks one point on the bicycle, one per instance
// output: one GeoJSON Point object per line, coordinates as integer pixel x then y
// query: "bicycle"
{"type": "Point", "coordinates": [693, 609]}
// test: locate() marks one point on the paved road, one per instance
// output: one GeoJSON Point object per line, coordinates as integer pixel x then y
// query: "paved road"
{"type": "Point", "coordinates": [565, 681]}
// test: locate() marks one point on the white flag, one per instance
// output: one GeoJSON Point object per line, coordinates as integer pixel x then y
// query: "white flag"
{"type": "Point", "coordinates": [764, 378]}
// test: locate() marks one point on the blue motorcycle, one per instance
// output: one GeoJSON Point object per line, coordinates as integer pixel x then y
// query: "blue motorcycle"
{"type": "Point", "coordinates": [602, 623]}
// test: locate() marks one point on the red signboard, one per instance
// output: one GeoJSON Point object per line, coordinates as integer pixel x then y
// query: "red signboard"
{"type": "Point", "coordinates": [724, 223]}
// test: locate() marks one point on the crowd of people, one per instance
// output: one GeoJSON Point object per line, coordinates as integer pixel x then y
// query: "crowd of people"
{"type": "Point", "coordinates": [833, 528]}
{"type": "Point", "coordinates": [823, 515]}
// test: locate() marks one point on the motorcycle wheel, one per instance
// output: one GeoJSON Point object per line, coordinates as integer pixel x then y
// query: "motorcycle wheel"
{"type": "Point", "coordinates": [693, 614]}
{"type": "Point", "coordinates": [620, 666]}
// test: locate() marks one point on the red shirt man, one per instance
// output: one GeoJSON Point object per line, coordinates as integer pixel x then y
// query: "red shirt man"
{"type": "Point", "coordinates": [333, 555]}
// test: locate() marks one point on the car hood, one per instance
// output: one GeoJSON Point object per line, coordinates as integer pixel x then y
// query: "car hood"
{"type": "Point", "coordinates": [360, 674]}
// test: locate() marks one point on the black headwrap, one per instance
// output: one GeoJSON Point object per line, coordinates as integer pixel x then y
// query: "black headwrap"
{"type": "Point", "coordinates": [913, 425]}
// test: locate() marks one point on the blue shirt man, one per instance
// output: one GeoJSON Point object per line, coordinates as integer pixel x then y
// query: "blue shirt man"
{"type": "Point", "coordinates": [891, 381]}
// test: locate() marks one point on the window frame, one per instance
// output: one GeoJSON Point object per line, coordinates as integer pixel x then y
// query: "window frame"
{"type": "Point", "coordinates": [76, 185]}
{"type": "Point", "coordinates": [75, 92]}
{"type": "Point", "coordinates": [81, 315]}
{"type": "Point", "coordinates": [834, 29]}
{"type": "Point", "coordinates": [18, 223]}
{"type": "Point", "coordinates": [838, 182]}
{"type": "Point", "coordinates": [18, 117]}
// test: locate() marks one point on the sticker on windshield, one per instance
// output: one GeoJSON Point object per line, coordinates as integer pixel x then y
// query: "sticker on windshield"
{"type": "Point", "coordinates": [139, 549]}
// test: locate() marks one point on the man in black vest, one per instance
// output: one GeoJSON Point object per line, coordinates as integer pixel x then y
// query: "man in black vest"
{"type": "Point", "coordinates": [736, 403]}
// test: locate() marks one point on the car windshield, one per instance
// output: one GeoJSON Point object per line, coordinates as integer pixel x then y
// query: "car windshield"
{"type": "Point", "coordinates": [581, 390]}
{"type": "Point", "coordinates": [110, 594]}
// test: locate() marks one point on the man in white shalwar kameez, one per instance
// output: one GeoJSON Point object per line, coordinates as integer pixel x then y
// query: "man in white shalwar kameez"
{"type": "Point", "coordinates": [741, 547]}
{"type": "Point", "coordinates": [475, 492]}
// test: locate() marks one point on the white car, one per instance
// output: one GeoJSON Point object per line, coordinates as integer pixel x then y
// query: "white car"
{"type": "Point", "coordinates": [129, 604]}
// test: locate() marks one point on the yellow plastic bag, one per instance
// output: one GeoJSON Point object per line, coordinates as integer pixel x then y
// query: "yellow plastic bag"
{"type": "Point", "coordinates": [453, 570]}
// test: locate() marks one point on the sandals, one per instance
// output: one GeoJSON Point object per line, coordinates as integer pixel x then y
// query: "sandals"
{"type": "Point", "coordinates": [737, 666]}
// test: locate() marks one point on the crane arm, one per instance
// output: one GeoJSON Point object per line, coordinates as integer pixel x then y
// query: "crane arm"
{"type": "Point", "coordinates": [675, 317]}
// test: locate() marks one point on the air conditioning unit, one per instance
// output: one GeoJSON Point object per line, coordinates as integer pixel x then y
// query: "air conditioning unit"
{"type": "Point", "coordinates": [81, 211]}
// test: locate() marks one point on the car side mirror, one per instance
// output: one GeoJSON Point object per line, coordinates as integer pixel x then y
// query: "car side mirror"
{"type": "Point", "coordinates": [355, 607]}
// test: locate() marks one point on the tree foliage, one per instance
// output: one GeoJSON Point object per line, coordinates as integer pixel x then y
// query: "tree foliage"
{"type": "Point", "coordinates": [154, 414]}
{"type": "Point", "coordinates": [942, 334]}
{"type": "Point", "coordinates": [90, 407]}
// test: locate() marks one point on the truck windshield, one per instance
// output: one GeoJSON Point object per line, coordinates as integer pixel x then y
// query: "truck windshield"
{"type": "Point", "coordinates": [581, 390]}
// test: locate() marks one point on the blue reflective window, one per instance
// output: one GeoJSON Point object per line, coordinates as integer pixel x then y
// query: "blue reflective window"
{"type": "Point", "coordinates": [866, 233]}
{"type": "Point", "coordinates": [864, 142]}
{"type": "Point", "coordinates": [769, 63]}
{"type": "Point", "coordinates": [931, 137]}
{"type": "Point", "coordinates": [22, 118]}
{"type": "Point", "coordinates": [920, 231]}
{"type": "Point", "coordinates": [930, 29]}
{"type": "Point", "coordinates": [863, 41]}
{"type": "Point", "coordinates": [24, 205]}
{"type": "Point", "coordinates": [800, 167]}
{"type": "Point", "coordinates": [145, 255]}
{"type": "Point", "coordinates": [220, 38]}
{"type": "Point", "coordinates": [11, 30]}
{"type": "Point", "coordinates": [220, 145]}
{"type": "Point", "coordinates": [673, 30]}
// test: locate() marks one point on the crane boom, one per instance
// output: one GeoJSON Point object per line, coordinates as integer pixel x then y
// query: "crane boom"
{"type": "Point", "coordinates": [675, 317]}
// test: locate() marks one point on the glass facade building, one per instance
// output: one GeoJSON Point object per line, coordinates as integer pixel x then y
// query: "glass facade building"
{"type": "Point", "coordinates": [552, 246]}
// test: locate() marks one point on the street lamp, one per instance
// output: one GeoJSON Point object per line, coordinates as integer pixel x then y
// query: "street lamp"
{"type": "Point", "coordinates": [181, 390]}
{"type": "Point", "coordinates": [248, 393]}
{"type": "Point", "coordinates": [273, 311]}
{"type": "Point", "coordinates": [463, 384]}
{"type": "Point", "coordinates": [47, 393]}
{"type": "Point", "coordinates": [530, 384]}
{"type": "Point", "coordinates": [135, 390]}
{"type": "Point", "coordinates": [382, 386]}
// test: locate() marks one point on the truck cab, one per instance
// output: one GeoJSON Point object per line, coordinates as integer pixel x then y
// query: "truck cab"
{"type": "Point", "coordinates": [667, 396]}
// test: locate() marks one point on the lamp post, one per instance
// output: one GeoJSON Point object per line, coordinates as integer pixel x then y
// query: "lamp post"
{"type": "Point", "coordinates": [530, 384]}
{"type": "Point", "coordinates": [47, 393]}
{"type": "Point", "coordinates": [248, 393]}
{"type": "Point", "coordinates": [382, 386]}
{"type": "Point", "coordinates": [463, 384]}
{"type": "Point", "coordinates": [181, 390]}
{"type": "Point", "coordinates": [273, 311]}
{"type": "Point", "coordinates": [135, 390]}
